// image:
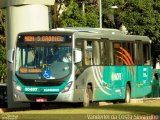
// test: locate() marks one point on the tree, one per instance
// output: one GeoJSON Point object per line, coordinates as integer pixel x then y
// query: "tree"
{"type": "Point", "coordinates": [142, 17]}
{"type": "Point", "coordinates": [3, 65]}
{"type": "Point", "coordinates": [74, 17]}
{"type": "Point", "coordinates": [92, 14]}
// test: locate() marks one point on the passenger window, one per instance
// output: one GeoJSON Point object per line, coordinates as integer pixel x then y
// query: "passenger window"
{"type": "Point", "coordinates": [146, 54]}
{"type": "Point", "coordinates": [128, 58]}
{"type": "Point", "coordinates": [104, 52]}
{"type": "Point", "coordinates": [117, 54]}
{"type": "Point", "coordinates": [96, 53]}
{"type": "Point", "coordinates": [88, 46]}
{"type": "Point", "coordinates": [123, 53]}
{"type": "Point", "coordinates": [138, 52]}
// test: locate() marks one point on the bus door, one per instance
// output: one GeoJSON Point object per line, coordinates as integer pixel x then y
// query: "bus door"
{"type": "Point", "coordinates": [140, 70]}
{"type": "Point", "coordinates": [118, 69]}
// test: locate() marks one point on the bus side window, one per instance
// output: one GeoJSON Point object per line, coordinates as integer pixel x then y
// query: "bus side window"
{"type": "Point", "coordinates": [96, 53]}
{"type": "Point", "coordinates": [117, 57]}
{"type": "Point", "coordinates": [104, 51]}
{"type": "Point", "coordinates": [88, 52]}
{"type": "Point", "coordinates": [88, 57]}
{"type": "Point", "coordinates": [128, 53]}
{"type": "Point", "coordinates": [138, 52]}
{"type": "Point", "coordinates": [146, 54]}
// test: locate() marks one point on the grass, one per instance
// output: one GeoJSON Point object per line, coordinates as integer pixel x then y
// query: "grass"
{"type": "Point", "coordinates": [151, 107]}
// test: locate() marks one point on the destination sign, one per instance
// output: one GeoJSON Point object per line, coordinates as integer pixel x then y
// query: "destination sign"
{"type": "Point", "coordinates": [30, 70]}
{"type": "Point", "coordinates": [31, 38]}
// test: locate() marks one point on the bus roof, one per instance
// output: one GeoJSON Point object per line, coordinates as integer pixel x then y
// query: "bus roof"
{"type": "Point", "coordinates": [97, 33]}
{"type": "Point", "coordinates": [93, 33]}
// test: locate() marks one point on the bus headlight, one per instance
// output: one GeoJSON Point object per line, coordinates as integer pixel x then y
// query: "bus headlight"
{"type": "Point", "coordinates": [66, 89]}
{"type": "Point", "coordinates": [18, 88]}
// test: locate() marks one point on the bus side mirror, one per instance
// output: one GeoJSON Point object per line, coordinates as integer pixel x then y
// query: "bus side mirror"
{"type": "Point", "coordinates": [77, 56]}
{"type": "Point", "coordinates": [10, 55]}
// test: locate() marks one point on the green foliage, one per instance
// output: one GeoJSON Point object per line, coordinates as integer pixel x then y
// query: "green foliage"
{"type": "Point", "coordinates": [2, 53]}
{"type": "Point", "coordinates": [141, 17]}
{"type": "Point", "coordinates": [73, 16]}
{"type": "Point", "coordinates": [92, 16]}
{"type": "Point", "coordinates": [3, 65]}
{"type": "Point", "coordinates": [92, 20]}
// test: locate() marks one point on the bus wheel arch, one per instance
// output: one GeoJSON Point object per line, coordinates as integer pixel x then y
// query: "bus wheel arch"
{"type": "Point", "coordinates": [88, 95]}
{"type": "Point", "coordinates": [128, 93]}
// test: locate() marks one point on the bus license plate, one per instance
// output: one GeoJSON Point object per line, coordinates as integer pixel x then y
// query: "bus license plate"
{"type": "Point", "coordinates": [41, 99]}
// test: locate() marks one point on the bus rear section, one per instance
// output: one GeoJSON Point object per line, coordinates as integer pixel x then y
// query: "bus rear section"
{"type": "Point", "coordinates": [43, 67]}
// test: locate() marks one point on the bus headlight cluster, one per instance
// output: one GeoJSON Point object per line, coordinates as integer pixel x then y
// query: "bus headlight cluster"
{"type": "Point", "coordinates": [17, 87]}
{"type": "Point", "coordinates": [66, 89]}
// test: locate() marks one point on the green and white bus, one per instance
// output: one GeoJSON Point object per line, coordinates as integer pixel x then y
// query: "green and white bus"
{"type": "Point", "coordinates": [81, 65]}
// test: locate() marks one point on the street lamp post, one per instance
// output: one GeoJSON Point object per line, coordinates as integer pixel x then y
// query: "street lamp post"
{"type": "Point", "coordinates": [83, 7]}
{"type": "Point", "coordinates": [100, 13]}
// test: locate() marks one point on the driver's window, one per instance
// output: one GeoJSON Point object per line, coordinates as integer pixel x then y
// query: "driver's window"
{"type": "Point", "coordinates": [67, 57]}
{"type": "Point", "coordinates": [31, 58]}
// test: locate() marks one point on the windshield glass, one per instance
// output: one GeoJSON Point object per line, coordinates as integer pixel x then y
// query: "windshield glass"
{"type": "Point", "coordinates": [49, 62]}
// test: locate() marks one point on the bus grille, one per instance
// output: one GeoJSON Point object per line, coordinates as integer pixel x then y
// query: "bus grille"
{"type": "Point", "coordinates": [41, 82]}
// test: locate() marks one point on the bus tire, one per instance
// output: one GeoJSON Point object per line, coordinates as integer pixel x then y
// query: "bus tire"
{"type": "Point", "coordinates": [127, 94]}
{"type": "Point", "coordinates": [88, 94]}
{"type": "Point", "coordinates": [35, 106]}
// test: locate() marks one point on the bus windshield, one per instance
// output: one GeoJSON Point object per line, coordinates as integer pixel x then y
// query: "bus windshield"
{"type": "Point", "coordinates": [55, 61]}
